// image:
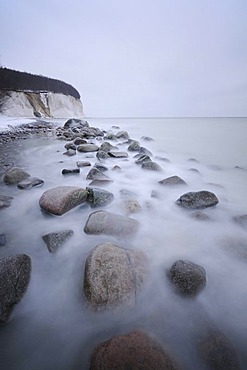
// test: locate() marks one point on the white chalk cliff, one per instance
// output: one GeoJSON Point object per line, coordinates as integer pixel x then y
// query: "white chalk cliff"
{"type": "Point", "coordinates": [41, 104]}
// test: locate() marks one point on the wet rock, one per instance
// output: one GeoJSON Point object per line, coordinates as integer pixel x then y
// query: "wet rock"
{"type": "Point", "coordinates": [74, 122]}
{"type": "Point", "coordinates": [107, 147]}
{"type": "Point", "coordinates": [95, 174]}
{"type": "Point", "coordinates": [187, 278]}
{"type": "Point", "coordinates": [79, 141]}
{"type": "Point", "coordinates": [100, 167]}
{"type": "Point", "coordinates": [14, 278]}
{"type": "Point", "coordinates": [98, 197]}
{"type": "Point", "coordinates": [136, 351]}
{"type": "Point", "coordinates": [30, 182]}
{"type": "Point", "coordinates": [151, 166]}
{"type": "Point", "coordinates": [99, 182]}
{"type": "Point", "coordinates": [241, 220]}
{"type": "Point", "coordinates": [143, 158]}
{"type": "Point", "coordinates": [134, 146]}
{"type": "Point", "coordinates": [87, 148]}
{"type": "Point", "coordinates": [15, 175]}
{"type": "Point", "coordinates": [110, 136]}
{"type": "Point", "coordinates": [5, 201]}
{"type": "Point", "coordinates": [144, 150]}
{"type": "Point", "coordinates": [199, 199]}
{"type": "Point", "coordinates": [102, 222]}
{"type": "Point", "coordinates": [122, 135]}
{"type": "Point", "coordinates": [3, 240]}
{"type": "Point", "coordinates": [101, 154]}
{"type": "Point", "coordinates": [132, 206]}
{"type": "Point", "coordinates": [216, 351]}
{"type": "Point", "coordinates": [127, 194]}
{"type": "Point", "coordinates": [62, 199]}
{"type": "Point", "coordinates": [118, 154]}
{"type": "Point", "coordinates": [70, 146]}
{"type": "Point", "coordinates": [70, 152]}
{"type": "Point", "coordinates": [113, 276]}
{"type": "Point", "coordinates": [67, 171]}
{"type": "Point", "coordinates": [147, 138]}
{"type": "Point", "coordinates": [173, 180]}
{"type": "Point", "coordinates": [54, 241]}
{"type": "Point", "coordinates": [83, 164]}
{"type": "Point", "coordinates": [200, 216]}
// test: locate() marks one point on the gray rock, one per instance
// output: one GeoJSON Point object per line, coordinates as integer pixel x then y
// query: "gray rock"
{"type": "Point", "coordinates": [70, 146]}
{"type": "Point", "coordinates": [107, 147]}
{"type": "Point", "coordinates": [152, 166]}
{"type": "Point", "coordinates": [54, 241]}
{"type": "Point", "coordinates": [70, 152]}
{"type": "Point", "coordinates": [101, 154]}
{"type": "Point", "coordinates": [87, 148]}
{"type": "Point", "coordinates": [173, 180]}
{"type": "Point", "coordinates": [143, 158]}
{"type": "Point", "coordinates": [241, 220]}
{"type": "Point", "coordinates": [3, 240]}
{"type": "Point", "coordinates": [5, 201]}
{"type": "Point", "coordinates": [122, 135]}
{"type": "Point", "coordinates": [102, 222]}
{"type": "Point", "coordinates": [74, 122]}
{"type": "Point", "coordinates": [147, 138]}
{"type": "Point", "coordinates": [113, 276]}
{"type": "Point", "coordinates": [14, 278]}
{"type": "Point", "coordinates": [134, 351]}
{"type": "Point", "coordinates": [98, 197]}
{"type": "Point", "coordinates": [110, 136]}
{"type": "Point", "coordinates": [134, 146]}
{"type": "Point", "coordinates": [30, 182]}
{"type": "Point", "coordinates": [197, 200]}
{"type": "Point", "coordinates": [83, 164]}
{"type": "Point", "coordinates": [216, 351]}
{"type": "Point", "coordinates": [15, 175]}
{"type": "Point", "coordinates": [132, 206]}
{"type": "Point", "coordinates": [95, 174]}
{"type": "Point", "coordinates": [62, 199]}
{"type": "Point", "coordinates": [144, 150]}
{"type": "Point", "coordinates": [100, 167]}
{"type": "Point", "coordinates": [187, 278]}
{"type": "Point", "coordinates": [79, 141]}
{"type": "Point", "coordinates": [118, 154]}
{"type": "Point", "coordinates": [200, 216]}
{"type": "Point", "coordinates": [68, 171]}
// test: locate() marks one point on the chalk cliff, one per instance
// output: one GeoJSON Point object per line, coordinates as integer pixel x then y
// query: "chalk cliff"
{"type": "Point", "coordinates": [25, 95]}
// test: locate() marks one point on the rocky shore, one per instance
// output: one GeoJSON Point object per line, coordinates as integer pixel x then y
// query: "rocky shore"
{"type": "Point", "coordinates": [113, 277]}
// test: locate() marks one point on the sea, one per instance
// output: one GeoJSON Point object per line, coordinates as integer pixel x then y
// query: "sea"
{"type": "Point", "coordinates": [52, 327]}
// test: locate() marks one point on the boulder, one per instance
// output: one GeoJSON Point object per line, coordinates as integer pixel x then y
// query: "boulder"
{"type": "Point", "coordinates": [79, 141]}
{"type": "Point", "coordinates": [95, 174]}
{"type": "Point", "coordinates": [187, 278]}
{"type": "Point", "coordinates": [122, 135]}
{"type": "Point", "coordinates": [70, 152]}
{"type": "Point", "coordinates": [74, 122]}
{"type": "Point", "coordinates": [55, 240]}
{"type": "Point", "coordinates": [216, 351]}
{"type": "Point", "coordinates": [98, 197]}
{"type": "Point", "coordinates": [83, 164]}
{"type": "Point", "coordinates": [101, 154]}
{"type": "Point", "coordinates": [70, 146]}
{"type": "Point", "coordinates": [110, 136]}
{"type": "Point", "coordinates": [69, 171]}
{"type": "Point", "coordinates": [62, 199]}
{"type": "Point", "coordinates": [14, 278]}
{"type": "Point", "coordinates": [118, 154]}
{"type": "Point", "coordinates": [5, 201]}
{"type": "Point", "coordinates": [30, 182]}
{"type": "Point", "coordinates": [87, 148]}
{"type": "Point", "coordinates": [134, 351]}
{"type": "Point", "coordinates": [113, 276]}
{"type": "Point", "coordinates": [197, 200]}
{"type": "Point", "coordinates": [100, 167]}
{"type": "Point", "coordinates": [144, 150]}
{"type": "Point", "coordinates": [173, 180]}
{"type": "Point", "coordinates": [107, 147]}
{"type": "Point", "coordinates": [132, 206]}
{"type": "Point", "coordinates": [143, 158]}
{"type": "Point", "coordinates": [15, 175]}
{"type": "Point", "coordinates": [150, 165]}
{"type": "Point", "coordinates": [134, 146]}
{"type": "Point", "coordinates": [102, 222]}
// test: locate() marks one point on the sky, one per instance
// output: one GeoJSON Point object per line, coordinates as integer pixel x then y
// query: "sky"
{"type": "Point", "coordinates": [141, 58]}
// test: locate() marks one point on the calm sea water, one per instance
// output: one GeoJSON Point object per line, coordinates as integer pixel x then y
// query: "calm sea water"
{"type": "Point", "coordinates": [51, 327]}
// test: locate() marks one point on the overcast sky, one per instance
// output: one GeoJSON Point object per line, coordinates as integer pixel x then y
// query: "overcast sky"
{"type": "Point", "coordinates": [134, 57]}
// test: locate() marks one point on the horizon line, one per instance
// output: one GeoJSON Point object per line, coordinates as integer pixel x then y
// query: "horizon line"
{"type": "Point", "coordinates": [159, 117]}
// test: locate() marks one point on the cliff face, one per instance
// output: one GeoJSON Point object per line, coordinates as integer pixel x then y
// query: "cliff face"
{"type": "Point", "coordinates": [25, 95]}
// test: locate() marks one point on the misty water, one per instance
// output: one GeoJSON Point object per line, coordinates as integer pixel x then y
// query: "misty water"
{"type": "Point", "coordinates": [52, 327]}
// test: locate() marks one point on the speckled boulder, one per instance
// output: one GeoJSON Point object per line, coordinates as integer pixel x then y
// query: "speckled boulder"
{"type": "Point", "coordinates": [98, 197]}
{"type": "Point", "coordinates": [15, 175]}
{"type": "Point", "coordinates": [62, 199]}
{"type": "Point", "coordinates": [113, 276]}
{"type": "Point", "coordinates": [197, 200]}
{"type": "Point", "coordinates": [14, 278]}
{"type": "Point", "coordinates": [134, 351]}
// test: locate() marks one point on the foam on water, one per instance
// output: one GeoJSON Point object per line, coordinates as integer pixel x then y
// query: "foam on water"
{"type": "Point", "coordinates": [52, 326]}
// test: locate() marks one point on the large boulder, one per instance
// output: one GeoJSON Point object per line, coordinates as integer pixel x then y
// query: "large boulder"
{"type": "Point", "coordinates": [113, 276]}
{"type": "Point", "coordinates": [134, 351]}
{"type": "Point", "coordinates": [187, 278]}
{"type": "Point", "coordinates": [14, 278]}
{"type": "Point", "coordinates": [197, 200]}
{"type": "Point", "coordinates": [62, 199]}
{"type": "Point", "coordinates": [134, 146]}
{"type": "Point", "coordinates": [102, 222]}
{"type": "Point", "coordinates": [15, 175]}
{"type": "Point", "coordinates": [98, 197]}
{"type": "Point", "coordinates": [75, 122]}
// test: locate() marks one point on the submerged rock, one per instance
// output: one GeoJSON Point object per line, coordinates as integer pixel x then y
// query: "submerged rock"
{"type": "Point", "coordinates": [134, 146]}
{"type": "Point", "coordinates": [132, 206]}
{"type": "Point", "coordinates": [14, 278]}
{"type": "Point", "coordinates": [122, 135]}
{"type": "Point", "coordinates": [102, 222]}
{"type": "Point", "coordinates": [187, 277]}
{"type": "Point", "coordinates": [30, 182]}
{"type": "Point", "coordinates": [99, 197]}
{"type": "Point", "coordinates": [173, 180]}
{"type": "Point", "coordinates": [96, 174]}
{"type": "Point", "coordinates": [62, 199]}
{"type": "Point", "coordinates": [152, 166]}
{"type": "Point", "coordinates": [134, 351]}
{"type": "Point", "coordinates": [54, 241]}
{"type": "Point", "coordinates": [241, 220]}
{"type": "Point", "coordinates": [113, 276]}
{"type": "Point", "coordinates": [200, 216]}
{"type": "Point", "coordinates": [118, 154]}
{"type": "Point", "coordinates": [15, 175]}
{"type": "Point", "coordinates": [5, 201]}
{"type": "Point", "coordinates": [199, 199]}
{"type": "Point", "coordinates": [3, 240]}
